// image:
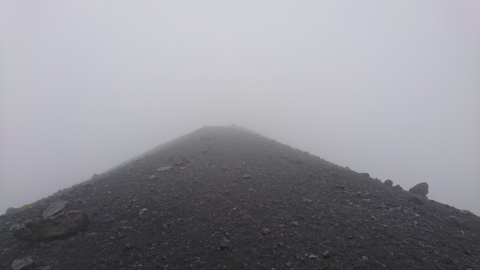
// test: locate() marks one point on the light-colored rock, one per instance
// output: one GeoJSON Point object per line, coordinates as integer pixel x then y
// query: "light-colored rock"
{"type": "Point", "coordinates": [23, 263]}
{"type": "Point", "coordinates": [163, 169]}
{"type": "Point", "coordinates": [142, 211]}
{"type": "Point", "coordinates": [54, 208]}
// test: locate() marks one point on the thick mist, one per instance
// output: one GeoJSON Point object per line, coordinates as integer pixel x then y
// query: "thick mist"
{"type": "Point", "coordinates": [391, 88]}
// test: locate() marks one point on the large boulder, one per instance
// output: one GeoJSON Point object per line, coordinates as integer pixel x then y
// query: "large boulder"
{"type": "Point", "coordinates": [57, 227]}
{"type": "Point", "coordinates": [388, 183]}
{"type": "Point", "coordinates": [420, 189]}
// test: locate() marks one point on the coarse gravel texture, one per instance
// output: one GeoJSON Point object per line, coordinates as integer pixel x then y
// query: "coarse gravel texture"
{"type": "Point", "coordinates": [228, 198]}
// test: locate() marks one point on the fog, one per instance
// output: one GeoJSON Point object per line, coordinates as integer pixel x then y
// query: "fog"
{"type": "Point", "coordinates": [391, 88]}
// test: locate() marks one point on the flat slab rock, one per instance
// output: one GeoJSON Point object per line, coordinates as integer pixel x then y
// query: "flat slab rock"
{"type": "Point", "coordinates": [23, 263]}
{"type": "Point", "coordinates": [54, 208]}
{"type": "Point", "coordinates": [60, 226]}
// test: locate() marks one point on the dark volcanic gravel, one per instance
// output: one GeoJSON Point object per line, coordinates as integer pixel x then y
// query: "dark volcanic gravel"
{"type": "Point", "coordinates": [226, 198]}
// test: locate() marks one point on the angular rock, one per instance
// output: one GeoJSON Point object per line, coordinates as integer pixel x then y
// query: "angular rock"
{"type": "Point", "coordinates": [420, 189]}
{"type": "Point", "coordinates": [247, 176]}
{"type": "Point", "coordinates": [23, 263]}
{"type": "Point", "coordinates": [57, 227]}
{"type": "Point", "coordinates": [398, 187]}
{"type": "Point", "coordinates": [54, 208]}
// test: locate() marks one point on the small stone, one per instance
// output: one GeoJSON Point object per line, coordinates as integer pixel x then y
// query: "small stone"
{"type": "Point", "coordinates": [326, 254]}
{"type": "Point", "coordinates": [151, 177]}
{"type": "Point", "coordinates": [312, 256]}
{"type": "Point", "coordinates": [342, 187]}
{"type": "Point", "coordinates": [225, 244]}
{"type": "Point", "coordinates": [247, 176]}
{"type": "Point", "coordinates": [165, 168]}
{"type": "Point", "coordinates": [294, 223]}
{"type": "Point", "coordinates": [265, 231]}
{"type": "Point", "coordinates": [280, 244]}
{"type": "Point", "coordinates": [364, 258]}
{"type": "Point", "coordinates": [142, 211]}
{"type": "Point", "coordinates": [415, 200]}
{"type": "Point", "coordinates": [23, 263]}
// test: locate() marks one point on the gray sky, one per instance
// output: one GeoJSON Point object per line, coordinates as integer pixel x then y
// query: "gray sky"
{"type": "Point", "coordinates": [386, 87]}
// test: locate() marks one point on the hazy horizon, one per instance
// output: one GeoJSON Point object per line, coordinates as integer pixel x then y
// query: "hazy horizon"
{"type": "Point", "coordinates": [389, 88]}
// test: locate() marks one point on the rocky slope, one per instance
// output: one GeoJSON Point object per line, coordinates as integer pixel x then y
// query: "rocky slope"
{"type": "Point", "coordinates": [226, 198]}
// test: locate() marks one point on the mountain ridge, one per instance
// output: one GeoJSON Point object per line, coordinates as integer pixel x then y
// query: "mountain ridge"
{"type": "Point", "coordinates": [229, 198]}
